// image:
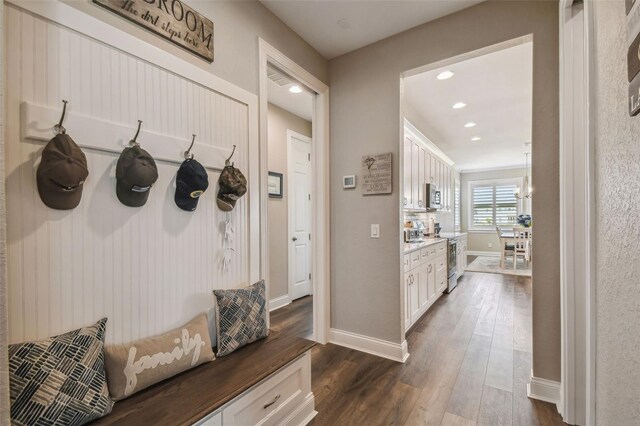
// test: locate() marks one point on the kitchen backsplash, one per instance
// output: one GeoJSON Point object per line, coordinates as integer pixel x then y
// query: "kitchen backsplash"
{"type": "Point", "coordinates": [445, 219]}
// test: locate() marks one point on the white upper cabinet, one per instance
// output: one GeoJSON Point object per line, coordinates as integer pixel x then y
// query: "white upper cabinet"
{"type": "Point", "coordinates": [408, 186]}
{"type": "Point", "coordinates": [421, 178]}
{"type": "Point", "coordinates": [424, 163]}
{"type": "Point", "coordinates": [415, 172]}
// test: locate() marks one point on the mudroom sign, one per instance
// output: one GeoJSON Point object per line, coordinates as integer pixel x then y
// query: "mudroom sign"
{"type": "Point", "coordinates": [171, 19]}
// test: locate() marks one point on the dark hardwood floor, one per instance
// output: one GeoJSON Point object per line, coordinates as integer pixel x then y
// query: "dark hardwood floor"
{"type": "Point", "coordinates": [470, 362]}
{"type": "Point", "coordinates": [296, 318]}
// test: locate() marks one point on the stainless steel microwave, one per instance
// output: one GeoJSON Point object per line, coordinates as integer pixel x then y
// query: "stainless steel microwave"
{"type": "Point", "coordinates": [433, 197]}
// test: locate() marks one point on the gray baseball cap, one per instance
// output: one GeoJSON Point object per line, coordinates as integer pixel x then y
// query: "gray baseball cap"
{"type": "Point", "coordinates": [136, 172]}
{"type": "Point", "coordinates": [61, 173]}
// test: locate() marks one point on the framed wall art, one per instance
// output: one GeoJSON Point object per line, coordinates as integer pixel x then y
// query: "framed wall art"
{"type": "Point", "coordinates": [274, 185]}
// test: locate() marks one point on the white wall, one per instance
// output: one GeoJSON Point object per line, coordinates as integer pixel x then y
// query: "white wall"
{"type": "Point", "coordinates": [148, 269]}
{"type": "Point", "coordinates": [617, 164]}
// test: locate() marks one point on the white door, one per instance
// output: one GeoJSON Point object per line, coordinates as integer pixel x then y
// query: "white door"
{"type": "Point", "coordinates": [299, 216]}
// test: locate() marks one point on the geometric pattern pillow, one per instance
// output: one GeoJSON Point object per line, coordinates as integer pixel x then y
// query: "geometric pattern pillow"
{"type": "Point", "coordinates": [59, 380]}
{"type": "Point", "coordinates": [242, 317]}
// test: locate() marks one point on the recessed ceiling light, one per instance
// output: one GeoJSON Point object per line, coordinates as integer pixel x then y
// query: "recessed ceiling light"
{"type": "Point", "coordinates": [470, 124]}
{"type": "Point", "coordinates": [476, 138]}
{"type": "Point", "coordinates": [459, 105]}
{"type": "Point", "coordinates": [295, 89]}
{"type": "Point", "coordinates": [343, 23]}
{"type": "Point", "coordinates": [444, 75]}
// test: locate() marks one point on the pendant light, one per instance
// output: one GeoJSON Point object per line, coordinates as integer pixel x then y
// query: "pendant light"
{"type": "Point", "coordinates": [527, 191]}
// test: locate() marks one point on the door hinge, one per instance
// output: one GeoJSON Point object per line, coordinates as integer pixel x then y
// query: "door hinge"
{"type": "Point", "coordinates": [309, 237]}
{"type": "Point", "coordinates": [309, 275]}
{"type": "Point", "coordinates": [309, 197]}
{"type": "Point", "coordinates": [309, 156]}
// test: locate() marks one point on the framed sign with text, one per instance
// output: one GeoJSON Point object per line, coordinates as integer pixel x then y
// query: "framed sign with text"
{"type": "Point", "coordinates": [376, 174]}
{"type": "Point", "coordinates": [171, 19]}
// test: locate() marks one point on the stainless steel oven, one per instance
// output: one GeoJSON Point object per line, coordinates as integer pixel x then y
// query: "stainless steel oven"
{"type": "Point", "coordinates": [452, 264]}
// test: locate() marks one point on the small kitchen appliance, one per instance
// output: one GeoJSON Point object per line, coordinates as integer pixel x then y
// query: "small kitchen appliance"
{"type": "Point", "coordinates": [433, 197]}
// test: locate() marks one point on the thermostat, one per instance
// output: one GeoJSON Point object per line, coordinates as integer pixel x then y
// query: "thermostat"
{"type": "Point", "coordinates": [349, 182]}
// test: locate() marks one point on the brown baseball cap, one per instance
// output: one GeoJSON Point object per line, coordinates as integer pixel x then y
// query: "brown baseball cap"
{"type": "Point", "coordinates": [62, 173]}
{"type": "Point", "coordinates": [136, 172]}
{"type": "Point", "coordinates": [233, 185]}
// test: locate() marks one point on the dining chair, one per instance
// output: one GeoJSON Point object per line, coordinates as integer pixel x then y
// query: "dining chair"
{"type": "Point", "coordinates": [506, 249]}
{"type": "Point", "coordinates": [522, 245]}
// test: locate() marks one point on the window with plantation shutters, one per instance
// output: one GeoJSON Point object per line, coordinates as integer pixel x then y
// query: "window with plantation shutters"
{"type": "Point", "coordinates": [493, 203]}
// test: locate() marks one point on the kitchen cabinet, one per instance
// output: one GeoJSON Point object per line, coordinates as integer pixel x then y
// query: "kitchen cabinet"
{"type": "Point", "coordinates": [421, 178]}
{"type": "Point", "coordinates": [461, 258]}
{"type": "Point", "coordinates": [415, 172]}
{"type": "Point", "coordinates": [422, 165]}
{"type": "Point", "coordinates": [408, 185]}
{"type": "Point", "coordinates": [421, 284]}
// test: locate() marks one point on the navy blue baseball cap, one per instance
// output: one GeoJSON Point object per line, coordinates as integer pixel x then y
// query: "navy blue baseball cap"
{"type": "Point", "coordinates": [191, 182]}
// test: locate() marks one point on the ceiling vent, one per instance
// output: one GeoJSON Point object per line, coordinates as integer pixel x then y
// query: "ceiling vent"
{"type": "Point", "coordinates": [278, 76]}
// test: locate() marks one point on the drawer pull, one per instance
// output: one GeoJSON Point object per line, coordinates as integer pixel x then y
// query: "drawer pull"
{"type": "Point", "coordinates": [272, 402]}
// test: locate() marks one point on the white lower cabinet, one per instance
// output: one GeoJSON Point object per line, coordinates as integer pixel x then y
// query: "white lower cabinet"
{"type": "Point", "coordinates": [284, 398]}
{"type": "Point", "coordinates": [421, 281]}
{"type": "Point", "coordinates": [461, 258]}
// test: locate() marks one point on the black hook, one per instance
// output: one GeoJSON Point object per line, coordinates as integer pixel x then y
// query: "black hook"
{"type": "Point", "coordinates": [59, 127]}
{"type": "Point", "coordinates": [134, 141]}
{"type": "Point", "coordinates": [187, 153]}
{"type": "Point", "coordinates": [228, 160]}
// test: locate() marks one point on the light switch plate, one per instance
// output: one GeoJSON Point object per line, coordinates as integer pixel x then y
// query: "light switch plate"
{"type": "Point", "coordinates": [375, 230]}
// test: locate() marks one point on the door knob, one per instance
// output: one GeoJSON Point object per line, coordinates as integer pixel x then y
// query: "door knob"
{"type": "Point", "coordinates": [295, 238]}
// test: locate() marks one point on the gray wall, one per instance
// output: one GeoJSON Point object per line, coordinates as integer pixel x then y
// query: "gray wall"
{"type": "Point", "coordinates": [364, 119]}
{"type": "Point", "coordinates": [237, 26]}
{"type": "Point", "coordinates": [4, 311]}
{"type": "Point", "coordinates": [279, 121]}
{"type": "Point", "coordinates": [617, 163]}
{"type": "Point", "coordinates": [478, 241]}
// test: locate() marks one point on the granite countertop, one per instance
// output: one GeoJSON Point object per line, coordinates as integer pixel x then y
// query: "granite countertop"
{"type": "Point", "coordinates": [426, 242]}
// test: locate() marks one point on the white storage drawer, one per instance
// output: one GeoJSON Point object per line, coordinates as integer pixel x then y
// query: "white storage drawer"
{"type": "Point", "coordinates": [415, 259]}
{"type": "Point", "coordinates": [271, 402]}
{"type": "Point", "coordinates": [441, 265]}
{"type": "Point", "coordinates": [407, 262]}
{"type": "Point", "coordinates": [424, 254]}
{"type": "Point", "coordinates": [441, 249]}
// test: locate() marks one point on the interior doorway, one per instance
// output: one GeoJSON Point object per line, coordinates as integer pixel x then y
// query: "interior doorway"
{"type": "Point", "coordinates": [294, 152]}
{"type": "Point", "coordinates": [300, 195]}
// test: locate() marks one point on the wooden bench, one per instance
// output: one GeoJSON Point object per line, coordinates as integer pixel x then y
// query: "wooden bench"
{"type": "Point", "coordinates": [266, 380]}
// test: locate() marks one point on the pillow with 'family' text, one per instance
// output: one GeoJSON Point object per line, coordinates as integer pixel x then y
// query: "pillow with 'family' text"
{"type": "Point", "coordinates": [134, 366]}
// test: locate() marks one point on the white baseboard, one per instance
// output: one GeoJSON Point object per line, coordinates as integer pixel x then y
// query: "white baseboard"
{"type": "Point", "coordinates": [544, 390]}
{"type": "Point", "coordinates": [483, 253]}
{"type": "Point", "coordinates": [279, 302]}
{"type": "Point", "coordinates": [394, 351]}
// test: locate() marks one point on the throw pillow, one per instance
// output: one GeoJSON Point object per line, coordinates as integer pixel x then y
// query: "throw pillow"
{"type": "Point", "coordinates": [134, 366]}
{"type": "Point", "coordinates": [59, 380]}
{"type": "Point", "coordinates": [242, 317]}
{"type": "Point", "coordinates": [213, 334]}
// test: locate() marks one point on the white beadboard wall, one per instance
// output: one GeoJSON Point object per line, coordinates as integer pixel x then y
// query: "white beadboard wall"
{"type": "Point", "coordinates": [147, 269]}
